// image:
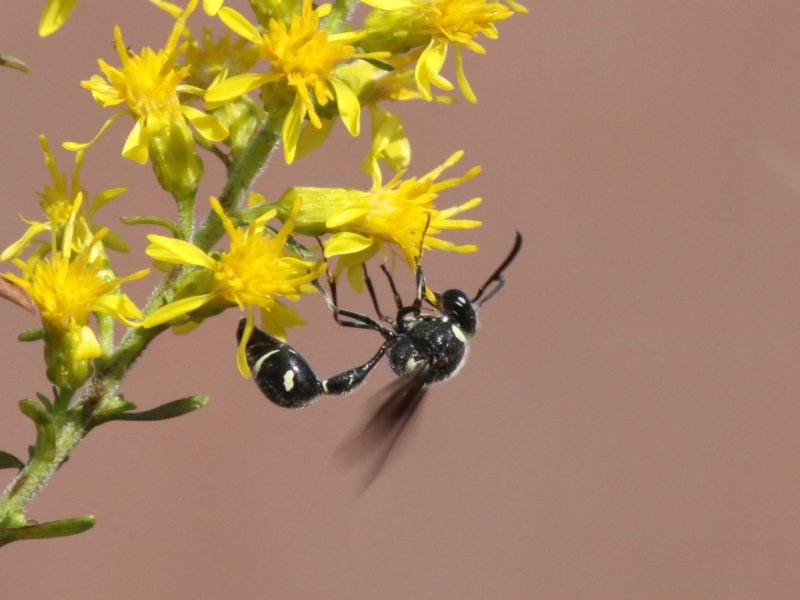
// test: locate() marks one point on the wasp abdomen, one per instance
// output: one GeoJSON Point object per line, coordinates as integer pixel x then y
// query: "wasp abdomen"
{"type": "Point", "coordinates": [282, 374]}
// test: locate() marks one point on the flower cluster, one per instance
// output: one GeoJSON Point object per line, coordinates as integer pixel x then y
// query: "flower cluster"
{"type": "Point", "coordinates": [69, 278]}
{"type": "Point", "coordinates": [252, 273]}
{"type": "Point", "coordinates": [286, 74]}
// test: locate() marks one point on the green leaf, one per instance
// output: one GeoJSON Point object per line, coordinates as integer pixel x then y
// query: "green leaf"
{"type": "Point", "coordinates": [45, 429]}
{"type": "Point", "coordinates": [299, 249]}
{"type": "Point", "coordinates": [37, 413]}
{"type": "Point", "coordinates": [379, 64]}
{"type": "Point", "coordinates": [6, 60]}
{"type": "Point", "coordinates": [161, 222]}
{"type": "Point", "coordinates": [173, 409]}
{"type": "Point", "coordinates": [31, 335]}
{"type": "Point", "coordinates": [9, 461]}
{"type": "Point", "coordinates": [50, 529]}
{"type": "Point", "coordinates": [46, 401]}
{"type": "Point", "coordinates": [109, 410]}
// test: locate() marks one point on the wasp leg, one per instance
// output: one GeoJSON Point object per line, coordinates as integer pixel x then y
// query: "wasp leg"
{"type": "Point", "coordinates": [374, 297]}
{"type": "Point", "coordinates": [398, 301]}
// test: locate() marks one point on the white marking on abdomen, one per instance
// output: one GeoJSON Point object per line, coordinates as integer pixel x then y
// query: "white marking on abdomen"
{"type": "Point", "coordinates": [288, 380]}
{"type": "Point", "coordinates": [260, 362]}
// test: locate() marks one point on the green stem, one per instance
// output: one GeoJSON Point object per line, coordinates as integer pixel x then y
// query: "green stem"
{"type": "Point", "coordinates": [110, 371]}
{"type": "Point", "coordinates": [241, 176]}
{"type": "Point", "coordinates": [339, 15]}
{"type": "Point", "coordinates": [73, 425]}
{"type": "Point", "coordinates": [186, 216]}
{"type": "Point", "coordinates": [37, 473]}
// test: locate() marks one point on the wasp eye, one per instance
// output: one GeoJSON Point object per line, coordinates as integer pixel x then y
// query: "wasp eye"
{"type": "Point", "coordinates": [456, 304]}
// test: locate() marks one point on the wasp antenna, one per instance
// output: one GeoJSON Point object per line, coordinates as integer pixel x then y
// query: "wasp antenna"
{"type": "Point", "coordinates": [497, 276]}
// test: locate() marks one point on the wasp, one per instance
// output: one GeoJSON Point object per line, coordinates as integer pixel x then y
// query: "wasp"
{"type": "Point", "coordinates": [422, 348]}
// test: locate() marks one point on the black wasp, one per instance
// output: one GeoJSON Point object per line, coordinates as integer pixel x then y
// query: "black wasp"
{"type": "Point", "coordinates": [422, 348]}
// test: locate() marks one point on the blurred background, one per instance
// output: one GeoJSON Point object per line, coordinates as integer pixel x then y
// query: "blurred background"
{"type": "Point", "coordinates": [626, 426]}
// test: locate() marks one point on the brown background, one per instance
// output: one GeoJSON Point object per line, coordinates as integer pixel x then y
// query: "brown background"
{"type": "Point", "coordinates": [627, 426]}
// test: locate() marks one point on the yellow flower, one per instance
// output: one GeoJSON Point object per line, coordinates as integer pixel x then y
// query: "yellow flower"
{"type": "Point", "coordinates": [302, 56]}
{"type": "Point", "coordinates": [209, 58]}
{"type": "Point", "coordinates": [67, 287]}
{"type": "Point", "coordinates": [149, 84]}
{"type": "Point", "coordinates": [251, 274]}
{"type": "Point", "coordinates": [54, 14]}
{"type": "Point", "coordinates": [381, 219]}
{"type": "Point", "coordinates": [213, 58]}
{"type": "Point", "coordinates": [58, 203]}
{"type": "Point", "coordinates": [374, 86]}
{"type": "Point", "coordinates": [444, 22]}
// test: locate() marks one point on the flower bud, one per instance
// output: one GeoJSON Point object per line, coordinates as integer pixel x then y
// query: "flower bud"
{"type": "Point", "coordinates": [317, 205]}
{"type": "Point", "coordinates": [176, 165]}
{"type": "Point", "coordinates": [241, 117]}
{"type": "Point", "coordinates": [68, 353]}
{"type": "Point", "coordinates": [395, 31]}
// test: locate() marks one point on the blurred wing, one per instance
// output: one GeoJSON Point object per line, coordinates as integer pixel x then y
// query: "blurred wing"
{"type": "Point", "coordinates": [397, 404]}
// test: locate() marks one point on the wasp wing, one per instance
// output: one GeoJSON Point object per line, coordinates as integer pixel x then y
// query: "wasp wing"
{"type": "Point", "coordinates": [398, 402]}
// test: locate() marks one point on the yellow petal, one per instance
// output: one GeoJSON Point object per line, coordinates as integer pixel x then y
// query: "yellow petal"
{"type": "Point", "coordinates": [230, 89]}
{"type": "Point", "coordinates": [75, 146]}
{"type": "Point", "coordinates": [115, 242]}
{"type": "Point", "coordinates": [87, 346]}
{"type": "Point", "coordinates": [349, 106]}
{"type": "Point", "coordinates": [176, 309]}
{"type": "Point", "coordinates": [461, 77]}
{"type": "Point", "coordinates": [390, 4]}
{"type": "Point", "coordinates": [516, 6]}
{"type": "Point", "coordinates": [241, 350]}
{"type": "Point", "coordinates": [346, 242]}
{"type": "Point", "coordinates": [209, 126]}
{"type": "Point", "coordinates": [355, 275]}
{"type": "Point", "coordinates": [136, 145]}
{"type": "Point", "coordinates": [311, 137]}
{"type": "Point", "coordinates": [170, 250]}
{"type": "Point", "coordinates": [14, 249]}
{"type": "Point", "coordinates": [173, 9]}
{"type": "Point", "coordinates": [278, 318]}
{"type": "Point", "coordinates": [291, 129]}
{"type": "Point", "coordinates": [239, 24]}
{"type": "Point", "coordinates": [118, 306]}
{"type": "Point", "coordinates": [428, 67]}
{"type": "Point", "coordinates": [54, 14]}
{"type": "Point", "coordinates": [104, 198]}
{"type": "Point", "coordinates": [345, 216]}
{"type": "Point", "coordinates": [212, 6]}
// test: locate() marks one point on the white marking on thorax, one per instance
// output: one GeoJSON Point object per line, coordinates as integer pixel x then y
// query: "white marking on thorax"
{"type": "Point", "coordinates": [411, 364]}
